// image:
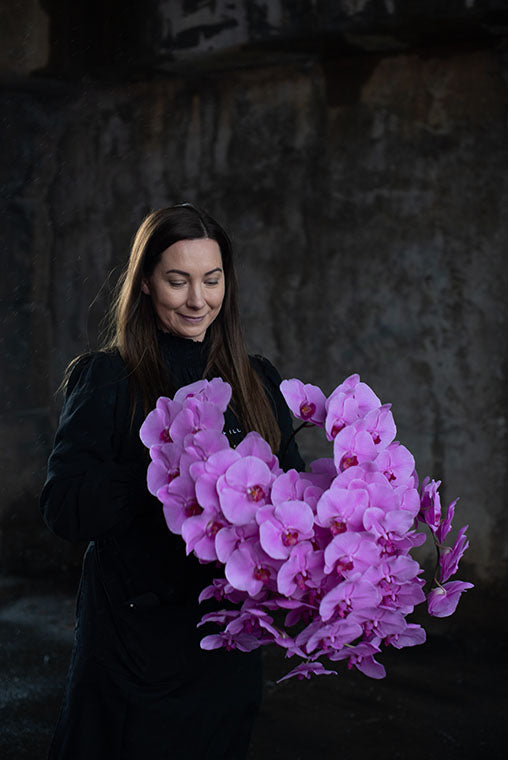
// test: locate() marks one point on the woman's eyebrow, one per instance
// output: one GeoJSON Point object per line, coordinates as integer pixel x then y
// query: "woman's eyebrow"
{"type": "Point", "coordinates": [187, 274]}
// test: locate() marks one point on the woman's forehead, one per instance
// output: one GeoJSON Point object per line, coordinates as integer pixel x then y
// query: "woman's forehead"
{"type": "Point", "coordinates": [200, 255]}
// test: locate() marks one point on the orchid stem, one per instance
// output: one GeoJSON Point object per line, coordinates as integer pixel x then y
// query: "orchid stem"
{"type": "Point", "coordinates": [304, 424]}
{"type": "Point", "coordinates": [436, 544]}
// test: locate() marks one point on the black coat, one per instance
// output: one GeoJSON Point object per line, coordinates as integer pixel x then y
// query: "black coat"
{"type": "Point", "coordinates": [139, 685]}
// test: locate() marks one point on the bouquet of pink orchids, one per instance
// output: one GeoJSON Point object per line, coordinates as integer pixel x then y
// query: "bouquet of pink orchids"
{"type": "Point", "coordinates": [327, 551]}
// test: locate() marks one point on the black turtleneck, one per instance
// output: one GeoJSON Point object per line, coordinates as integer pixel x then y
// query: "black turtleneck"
{"type": "Point", "coordinates": [186, 361]}
{"type": "Point", "coordinates": [184, 358]}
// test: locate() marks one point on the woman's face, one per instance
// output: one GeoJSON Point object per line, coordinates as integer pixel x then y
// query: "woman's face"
{"type": "Point", "coordinates": [187, 287]}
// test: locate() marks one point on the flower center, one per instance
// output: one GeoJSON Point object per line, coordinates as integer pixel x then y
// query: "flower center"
{"type": "Point", "coordinates": [251, 626]}
{"type": "Point", "coordinates": [376, 438]}
{"type": "Point", "coordinates": [343, 565]}
{"type": "Point", "coordinates": [300, 579]}
{"type": "Point", "coordinates": [290, 537]}
{"type": "Point", "coordinates": [172, 474]}
{"type": "Point", "coordinates": [261, 573]}
{"type": "Point", "coordinates": [337, 427]}
{"type": "Point", "coordinates": [337, 526]}
{"type": "Point", "coordinates": [192, 508]}
{"type": "Point", "coordinates": [388, 547]}
{"type": "Point", "coordinates": [307, 616]}
{"type": "Point", "coordinates": [315, 596]}
{"type": "Point", "coordinates": [213, 528]}
{"type": "Point", "coordinates": [255, 493]}
{"type": "Point", "coordinates": [348, 460]}
{"type": "Point", "coordinates": [307, 409]}
{"type": "Point", "coordinates": [165, 437]}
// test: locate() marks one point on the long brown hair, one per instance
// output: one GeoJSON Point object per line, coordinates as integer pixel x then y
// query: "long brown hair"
{"type": "Point", "coordinates": [133, 330]}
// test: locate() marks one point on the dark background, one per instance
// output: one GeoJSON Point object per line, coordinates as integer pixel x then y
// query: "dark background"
{"type": "Point", "coordinates": [357, 150]}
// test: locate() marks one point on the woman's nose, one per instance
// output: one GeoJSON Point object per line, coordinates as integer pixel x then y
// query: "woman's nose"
{"type": "Point", "coordinates": [195, 297]}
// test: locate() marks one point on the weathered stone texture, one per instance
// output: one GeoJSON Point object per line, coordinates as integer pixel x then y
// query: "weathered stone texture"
{"type": "Point", "coordinates": [174, 31]}
{"type": "Point", "coordinates": [24, 36]}
{"type": "Point", "coordinates": [366, 198]}
{"type": "Point", "coordinates": [117, 39]}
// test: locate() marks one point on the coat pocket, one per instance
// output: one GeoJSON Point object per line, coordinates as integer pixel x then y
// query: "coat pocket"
{"type": "Point", "coordinates": [159, 639]}
{"type": "Point", "coordinates": [150, 632]}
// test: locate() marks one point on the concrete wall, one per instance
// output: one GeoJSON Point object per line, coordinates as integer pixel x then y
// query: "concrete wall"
{"type": "Point", "coordinates": [365, 191]}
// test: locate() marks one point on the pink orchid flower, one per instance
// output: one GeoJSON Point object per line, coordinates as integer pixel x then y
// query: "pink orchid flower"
{"type": "Point", "coordinates": [220, 589]}
{"type": "Point", "coordinates": [284, 526]}
{"type": "Point", "coordinates": [155, 428]}
{"type": "Point", "coordinates": [430, 509]}
{"type": "Point", "coordinates": [198, 448]}
{"type": "Point", "coordinates": [323, 472]}
{"type": "Point", "coordinates": [342, 410]}
{"type": "Point", "coordinates": [446, 524]}
{"type": "Point", "coordinates": [252, 620]}
{"type": "Point", "coordinates": [288, 486]}
{"type": "Point", "coordinates": [349, 596]}
{"type": "Point", "coordinates": [361, 657]}
{"type": "Point", "coordinates": [363, 396]}
{"type": "Point", "coordinates": [244, 487]}
{"type": "Point", "coordinates": [392, 570]}
{"type": "Point", "coordinates": [352, 446]}
{"type": "Point", "coordinates": [230, 537]}
{"type": "Point", "coordinates": [164, 467]}
{"type": "Point", "coordinates": [451, 556]}
{"type": "Point", "coordinates": [254, 445]}
{"type": "Point", "coordinates": [442, 601]}
{"type": "Point", "coordinates": [350, 554]}
{"type": "Point", "coordinates": [381, 426]}
{"type": "Point", "coordinates": [199, 533]}
{"type": "Point", "coordinates": [388, 525]}
{"type": "Point", "coordinates": [250, 569]}
{"type": "Point", "coordinates": [306, 669]}
{"type": "Point", "coordinates": [379, 622]}
{"type": "Point", "coordinates": [330, 636]}
{"type": "Point", "coordinates": [402, 597]}
{"type": "Point", "coordinates": [307, 402]}
{"type": "Point", "coordinates": [412, 636]}
{"type": "Point", "coordinates": [341, 509]}
{"type": "Point", "coordinates": [396, 463]}
{"type": "Point", "coordinates": [195, 416]}
{"type": "Point", "coordinates": [207, 473]}
{"type": "Point", "coordinates": [303, 570]}
{"type": "Point", "coordinates": [179, 503]}
{"type": "Point", "coordinates": [244, 642]}
{"type": "Point", "coordinates": [214, 391]}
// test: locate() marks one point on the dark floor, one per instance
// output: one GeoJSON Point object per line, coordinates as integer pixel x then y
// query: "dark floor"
{"type": "Point", "coordinates": [445, 699]}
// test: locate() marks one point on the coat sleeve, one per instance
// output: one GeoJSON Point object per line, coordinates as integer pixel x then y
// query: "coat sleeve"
{"type": "Point", "coordinates": [87, 492]}
{"type": "Point", "coordinates": [289, 455]}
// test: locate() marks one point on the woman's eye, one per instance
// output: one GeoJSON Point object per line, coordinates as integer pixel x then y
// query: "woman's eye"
{"type": "Point", "coordinates": [176, 283]}
{"type": "Point", "coordinates": [211, 282]}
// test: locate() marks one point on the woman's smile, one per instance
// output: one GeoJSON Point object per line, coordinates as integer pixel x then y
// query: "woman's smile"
{"type": "Point", "coordinates": [192, 318]}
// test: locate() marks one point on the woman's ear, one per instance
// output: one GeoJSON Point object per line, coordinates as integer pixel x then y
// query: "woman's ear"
{"type": "Point", "coordinates": [145, 287]}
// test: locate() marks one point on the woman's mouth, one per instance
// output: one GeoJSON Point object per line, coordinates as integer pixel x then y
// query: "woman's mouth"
{"type": "Point", "coordinates": [192, 320]}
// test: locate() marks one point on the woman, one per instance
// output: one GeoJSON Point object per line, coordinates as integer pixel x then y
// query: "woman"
{"type": "Point", "coordinates": [139, 685]}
